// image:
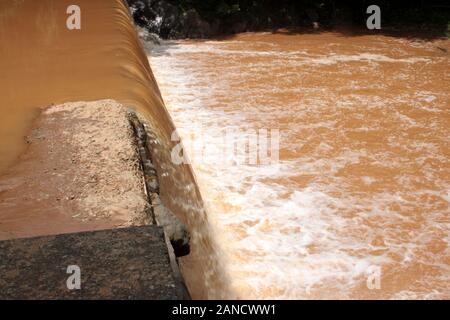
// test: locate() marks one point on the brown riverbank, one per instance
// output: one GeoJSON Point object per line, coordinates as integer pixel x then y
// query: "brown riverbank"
{"type": "Point", "coordinates": [79, 172]}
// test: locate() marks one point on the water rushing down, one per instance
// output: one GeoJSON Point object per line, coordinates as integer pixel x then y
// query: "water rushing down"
{"type": "Point", "coordinates": [43, 63]}
{"type": "Point", "coordinates": [363, 182]}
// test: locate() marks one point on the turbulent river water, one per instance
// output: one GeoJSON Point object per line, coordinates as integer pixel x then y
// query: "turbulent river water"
{"type": "Point", "coordinates": [358, 204]}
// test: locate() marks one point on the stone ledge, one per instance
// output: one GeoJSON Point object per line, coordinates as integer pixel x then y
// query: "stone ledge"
{"type": "Point", "coordinates": [125, 263]}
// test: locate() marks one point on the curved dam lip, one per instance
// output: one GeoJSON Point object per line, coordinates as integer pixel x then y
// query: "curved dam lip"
{"type": "Point", "coordinates": [45, 63]}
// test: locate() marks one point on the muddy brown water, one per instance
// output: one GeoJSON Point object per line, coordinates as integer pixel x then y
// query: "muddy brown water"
{"type": "Point", "coordinates": [361, 191]}
{"type": "Point", "coordinates": [363, 177]}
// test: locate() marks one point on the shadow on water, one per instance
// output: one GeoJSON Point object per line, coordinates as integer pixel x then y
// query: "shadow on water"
{"type": "Point", "coordinates": [427, 33]}
{"type": "Point", "coordinates": [164, 47]}
{"type": "Point", "coordinates": [410, 33]}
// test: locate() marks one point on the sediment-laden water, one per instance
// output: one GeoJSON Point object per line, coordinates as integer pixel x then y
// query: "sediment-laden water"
{"type": "Point", "coordinates": [362, 186]}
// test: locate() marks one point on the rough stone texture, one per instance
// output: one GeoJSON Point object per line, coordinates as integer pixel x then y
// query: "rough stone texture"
{"type": "Point", "coordinates": [125, 263]}
{"type": "Point", "coordinates": [175, 230]}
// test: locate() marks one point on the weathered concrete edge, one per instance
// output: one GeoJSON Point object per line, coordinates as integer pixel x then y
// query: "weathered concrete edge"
{"type": "Point", "coordinates": [151, 187]}
{"type": "Point", "coordinates": [175, 233]}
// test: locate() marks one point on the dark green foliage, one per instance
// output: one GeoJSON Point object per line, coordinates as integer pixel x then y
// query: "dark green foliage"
{"type": "Point", "coordinates": [230, 16]}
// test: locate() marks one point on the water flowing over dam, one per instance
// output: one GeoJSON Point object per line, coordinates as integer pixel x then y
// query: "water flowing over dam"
{"type": "Point", "coordinates": [44, 63]}
{"type": "Point", "coordinates": [361, 184]}
{"type": "Point", "coordinates": [363, 177]}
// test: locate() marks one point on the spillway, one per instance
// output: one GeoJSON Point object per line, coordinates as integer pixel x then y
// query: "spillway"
{"type": "Point", "coordinates": [44, 63]}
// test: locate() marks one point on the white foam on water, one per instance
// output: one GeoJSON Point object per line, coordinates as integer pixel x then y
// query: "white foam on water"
{"type": "Point", "coordinates": [282, 239]}
{"type": "Point", "coordinates": [299, 56]}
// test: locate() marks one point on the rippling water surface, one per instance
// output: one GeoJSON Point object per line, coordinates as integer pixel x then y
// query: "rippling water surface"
{"type": "Point", "coordinates": [364, 175]}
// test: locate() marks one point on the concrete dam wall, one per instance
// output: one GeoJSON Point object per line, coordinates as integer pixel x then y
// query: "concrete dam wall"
{"type": "Point", "coordinates": [45, 64]}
